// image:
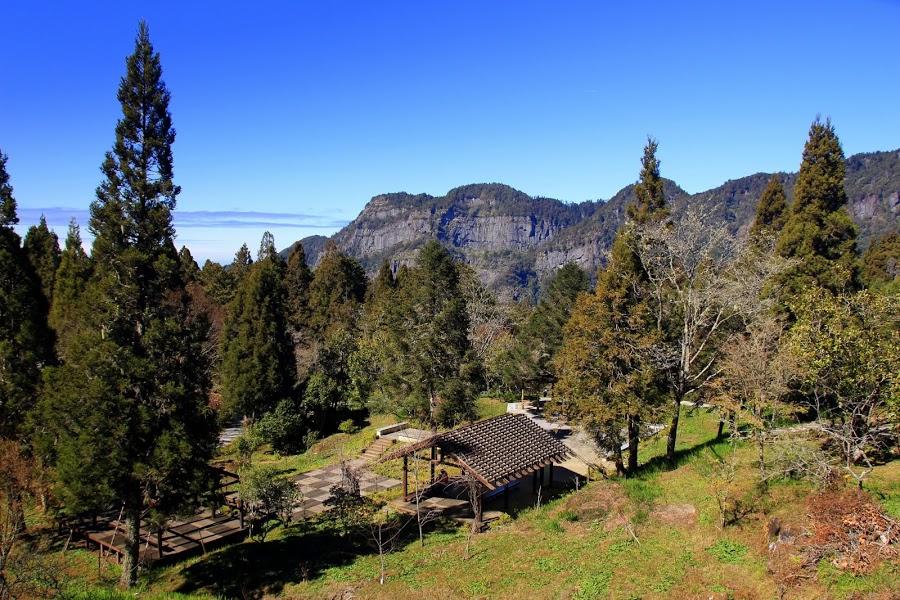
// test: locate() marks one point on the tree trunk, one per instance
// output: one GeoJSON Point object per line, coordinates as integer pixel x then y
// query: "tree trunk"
{"type": "Point", "coordinates": [617, 459]}
{"type": "Point", "coordinates": [132, 545]}
{"type": "Point", "coordinates": [721, 428]}
{"type": "Point", "coordinates": [673, 432]}
{"type": "Point", "coordinates": [634, 432]}
{"type": "Point", "coordinates": [760, 443]}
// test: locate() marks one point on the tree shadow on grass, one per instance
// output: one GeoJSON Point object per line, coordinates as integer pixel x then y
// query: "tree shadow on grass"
{"type": "Point", "coordinates": [303, 552]}
{"type": "Point", "coordinates": [682, 456]}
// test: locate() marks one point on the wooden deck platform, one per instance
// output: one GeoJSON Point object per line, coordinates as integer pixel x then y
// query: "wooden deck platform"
{"type": "Point", "coordinates": [180, 538]}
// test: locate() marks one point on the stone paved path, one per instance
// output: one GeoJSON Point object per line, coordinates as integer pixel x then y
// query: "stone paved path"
{"type": "Point", "coordinates": [315, 486]}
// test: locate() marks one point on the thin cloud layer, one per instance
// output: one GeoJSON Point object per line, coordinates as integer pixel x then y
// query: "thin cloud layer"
{"type": "Point", "coordinates": [210, 234]}
{"type": "Point", "coordinates": [184, 219]}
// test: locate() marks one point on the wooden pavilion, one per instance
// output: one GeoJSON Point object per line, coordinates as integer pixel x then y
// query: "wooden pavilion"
{"type": "Point", "coordinates": [496, 452]}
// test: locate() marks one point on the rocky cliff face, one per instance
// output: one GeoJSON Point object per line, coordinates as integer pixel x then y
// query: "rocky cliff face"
{"type": "Point", "coordinates": [516, 241]}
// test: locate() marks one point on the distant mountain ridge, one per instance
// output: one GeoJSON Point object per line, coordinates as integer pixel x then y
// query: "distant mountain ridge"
{"type": "Point", "coordinates": [515, 241]}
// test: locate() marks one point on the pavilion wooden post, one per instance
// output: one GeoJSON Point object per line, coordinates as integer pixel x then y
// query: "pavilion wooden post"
{"type": "Point", "coordinates": [433, 458]}
{"type": "Point", "coordinates": [550, 475]}
{"type": "Point", "coordinates": [405, 477]}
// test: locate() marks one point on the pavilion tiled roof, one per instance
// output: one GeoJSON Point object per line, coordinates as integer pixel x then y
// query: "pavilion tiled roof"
{"type": "Point", "coordinates": [496, 450]}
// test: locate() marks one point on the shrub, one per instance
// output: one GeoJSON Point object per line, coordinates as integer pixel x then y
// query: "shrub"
{"type": "Point", "coordinates": [284, 428]}
{"type": "Point", "coordinates": [553, 526]}
{"type": "Point", "coordinates": [268, 498]}
{"type": "Point", "coordinates": [728, 551]}
{"type": "Point", "coordinates": [348, 426]}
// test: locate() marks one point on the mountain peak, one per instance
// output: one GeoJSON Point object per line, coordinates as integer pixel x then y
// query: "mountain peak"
{"type": "Point", "coordinates": [515, 240]}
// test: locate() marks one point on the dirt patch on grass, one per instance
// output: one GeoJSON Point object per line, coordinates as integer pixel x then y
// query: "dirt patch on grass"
{"type": "Point", "coordinates": [684, 515]}
{"type": "Point", "coordinates": [597, 502]}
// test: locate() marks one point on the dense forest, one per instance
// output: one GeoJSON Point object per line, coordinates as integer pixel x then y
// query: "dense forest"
{"type": "Point", "coordinates": [119, 367]}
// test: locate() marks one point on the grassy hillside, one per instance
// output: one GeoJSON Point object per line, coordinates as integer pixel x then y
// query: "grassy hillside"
{"type": "Point", "coordinates": [654, 536]}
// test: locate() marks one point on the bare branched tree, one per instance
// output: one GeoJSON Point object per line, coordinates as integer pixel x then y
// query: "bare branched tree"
{"type": "Point", "coordinates": [385, 530]}
{"type": "Point", "coordinates": [700, 282]}
{"type": "Point", "coordinates": [423, 517]}
{"type": "Point", "coordinates": [473, 487]}
{"type": "Point", "coordinates": [487, 319]}
{"type": "Point", "coordinates": [756, 377]}
{"type": "Point", "coordinates": [16, 478]}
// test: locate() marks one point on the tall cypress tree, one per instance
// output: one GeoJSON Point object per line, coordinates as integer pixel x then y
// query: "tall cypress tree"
{"type": "Point", "coordinates": [336, 292]}
{"type": "Point", "coordinates": [240, 266]}
{"type": "Point", "coordinates": [257, 368]}
{"type": "Point", "coordinates": [25, 342]}
{"type": "Point", "coordinates": [771, 211]}
{"type": "Point", "coordinates": [8, 210]}
{"type": "Point", "coordinates": [296, 280]}
{"type": "Point", "coordinates": [127, 416]}
{"type": "Point", "coordinates": [190, 272]}
{"type": "Point", "coordinates": [606, 380]}
{"type": "Point", "coordinates": [439, 371]}
{"type": "Point", "coordinates": [819, 233]}
{"type": "Point", "coordinates": [217, 282]}
{"type": "Point", "coordinates": [68, 305]}
{"type": "Point", "coordinates": [650, 195]}
{"type": "Point", "coordinates": [42, 248]}
{"type": "Point", "coordinates": [881, 262]}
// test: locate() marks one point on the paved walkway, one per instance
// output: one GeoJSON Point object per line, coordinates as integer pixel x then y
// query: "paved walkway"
{"type": "Point", "coordinates": [315, 486]}
{"type": "Point", "coordinates": [229, 434]}
{"type": "Point", "coordinates": [409, 435]}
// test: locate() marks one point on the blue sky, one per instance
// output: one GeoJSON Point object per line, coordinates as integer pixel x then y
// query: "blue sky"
{"type": "Point", "coordinates": [291, 115]}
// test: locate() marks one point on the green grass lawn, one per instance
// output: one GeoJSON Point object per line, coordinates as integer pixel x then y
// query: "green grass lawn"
{"type": "Point", "coordinates": [653, 536]}
{"type": "Point", "coordinates": [579, 545]}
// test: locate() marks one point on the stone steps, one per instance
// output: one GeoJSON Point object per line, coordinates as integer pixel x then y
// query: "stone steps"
{"type": "Point", "coordinates": [377, 448]}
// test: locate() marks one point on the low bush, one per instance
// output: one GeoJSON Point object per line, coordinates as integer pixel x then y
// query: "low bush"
{"type": "Point", "coordinates": [728, 551]}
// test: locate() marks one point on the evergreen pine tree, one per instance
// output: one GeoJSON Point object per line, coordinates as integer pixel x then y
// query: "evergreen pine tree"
{"type": "Point", "coordinates": [541, 337]}
{"type": "Point", "coordinates": [373, 362]}
{"type": "Point", "coordinates": [297, 280]}
{"type": "Point", "coordinates": [605, 378]}
{"type": "Point", "coordinates": [328, 336]}
{"type": "Point", "coordinates": [240, 266]}
{"type": "Point", "coordinates": [650, 195]}
{"type": "Point", "coordinates": [126, 418]}
{"type": "Point", "coordinates": [384, 279]}
{"type": "Point", "coordinates": [439, 374]}
{"type": "Point", "coordinates": [42, 248]}
{"type": "Point", "coordinates": [217, 282]}
{"type": "Point", "coordinates": [8, 210]}
{"type": "Point", "coordinates": [881, 263]}
{"type": "Point", "coordinates": [190, 271]}
{"type": "Point", "coordinates": [68, 306]}
{"type": "Point", "coordinates": [257, 365]}
{"type": "Point", "coordinates": [25, 342]}
{"type": "Point", "coordinates": [819, 232]}
{"type": "Point", "coordinates": [336, 292]}
{"type": "Point", "coordinates": [771, 212]}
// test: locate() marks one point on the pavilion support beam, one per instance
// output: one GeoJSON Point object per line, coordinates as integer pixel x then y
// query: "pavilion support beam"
{"type": "Point", "coordinates": [405, 476]}
{"type": "Point", "coordinates": [433, 461]}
